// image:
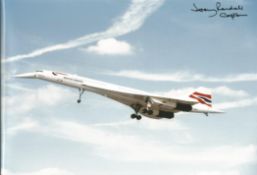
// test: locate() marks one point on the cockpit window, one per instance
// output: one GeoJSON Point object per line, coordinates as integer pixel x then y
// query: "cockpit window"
{"type": "Point", "coordinates": [58, 73]}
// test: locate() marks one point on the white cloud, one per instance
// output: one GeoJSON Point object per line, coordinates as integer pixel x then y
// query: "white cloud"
{"type": "Point", "coordinates": [226, 91]}
{"type": "Point", "coordinates": [115, 124]}
{"type": "Point", "coordinates": [110, 46]}
{"type": "Point", "coordinates": [49, 95]}
{"type": "Point", "coordinates": [130, 21]}
{"type": "Point", "coordinates": [184, 76]}
{"type": "Point", "coordinates": [224, 172]}
{"type": "Point", "coordinates": [142, 149]}
{"type": "Point", "coordinates": [163, 125]}
{"type": "Point", "coordinates": [146, 124]}
{"type": "Point", "coordinates": [177, 131]}
{"type": "Point", "coordinates": [46, 171]}
{"type": "Point", "coordinates": [220, 90]}
{"type": "Point", "coordinates": [237, 104]}
{"type": "Point", "coordinates": [58, 171]}
{"type": "Point", "coordinates": [18, 87]}
{"type": "Point", "coordinates": [25, 125]}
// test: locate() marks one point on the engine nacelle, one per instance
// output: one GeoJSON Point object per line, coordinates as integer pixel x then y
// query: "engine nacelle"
{"type": "Point", "coordinates": [184, 107]}
{"type": "Point", "coordinates": [156, 114]}
{"type": "Point", "coordinates": [164, 114]}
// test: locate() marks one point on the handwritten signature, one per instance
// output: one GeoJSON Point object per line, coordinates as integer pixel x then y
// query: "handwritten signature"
{"type": "Point", "coordinates": [222, 11]}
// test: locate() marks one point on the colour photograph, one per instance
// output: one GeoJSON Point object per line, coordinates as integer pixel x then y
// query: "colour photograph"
{"type": "Point", "coordinates": [128, 87]}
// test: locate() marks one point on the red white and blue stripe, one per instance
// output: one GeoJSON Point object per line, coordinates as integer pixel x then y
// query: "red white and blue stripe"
{"type": "Point", "coordinates": [202, 98]}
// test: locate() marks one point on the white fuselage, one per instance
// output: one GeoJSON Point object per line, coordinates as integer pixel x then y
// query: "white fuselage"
{"type": "Point", "coordinates": [140, 101]}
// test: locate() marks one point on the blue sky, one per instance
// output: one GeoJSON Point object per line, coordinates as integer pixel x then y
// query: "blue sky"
{"type": "Point", "coordinates": [153, 45]}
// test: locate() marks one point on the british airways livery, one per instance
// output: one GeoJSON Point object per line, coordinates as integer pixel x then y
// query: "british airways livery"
{"type": "Point", "coordinates": [143, 103]}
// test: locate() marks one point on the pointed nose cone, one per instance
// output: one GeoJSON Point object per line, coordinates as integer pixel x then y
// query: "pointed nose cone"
{"type": "Point", "coordinates": [26, 75]}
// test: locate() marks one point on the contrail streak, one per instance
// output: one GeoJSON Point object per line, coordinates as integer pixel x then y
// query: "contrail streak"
{"type": "Point", "coordinates": [130, 21]}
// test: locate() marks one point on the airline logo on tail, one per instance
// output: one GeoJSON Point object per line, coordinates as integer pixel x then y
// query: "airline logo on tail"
{"type": "Point", "coordinates": [202, 98]}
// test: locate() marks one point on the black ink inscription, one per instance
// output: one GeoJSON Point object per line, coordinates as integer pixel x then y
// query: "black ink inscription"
{"type": "Point", "coordinates": [224, 12]}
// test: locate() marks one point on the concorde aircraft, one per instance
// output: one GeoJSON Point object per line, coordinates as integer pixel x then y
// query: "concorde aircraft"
{"type": "Point", "coordinates": [146, 104]}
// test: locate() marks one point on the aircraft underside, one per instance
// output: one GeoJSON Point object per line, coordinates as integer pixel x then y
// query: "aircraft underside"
{"type": "Point", "coordinates": [144, 108]}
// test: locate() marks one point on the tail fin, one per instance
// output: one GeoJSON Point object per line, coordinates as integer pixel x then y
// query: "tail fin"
{"type": "Point", "coordinates": [202, 97]}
